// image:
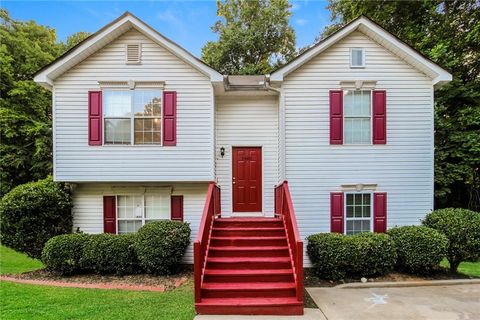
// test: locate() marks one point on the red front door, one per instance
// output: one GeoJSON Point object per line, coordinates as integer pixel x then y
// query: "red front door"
{"type": "Point", "coordinates": [247, 179]}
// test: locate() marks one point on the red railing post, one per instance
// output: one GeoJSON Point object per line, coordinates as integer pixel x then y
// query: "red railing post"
{"type": "Point", "coordinates": [200, 246]}
{"type": "Point", "coordinates": [284, 207]}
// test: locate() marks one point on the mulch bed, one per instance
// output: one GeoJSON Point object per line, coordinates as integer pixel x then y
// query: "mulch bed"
{"type": "Point", "coordinates": [137, 282]}
{"type": "Point", "coordinates": [311, 280]}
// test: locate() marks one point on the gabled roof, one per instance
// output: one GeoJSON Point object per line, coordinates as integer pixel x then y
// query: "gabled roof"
{"type": "Point", "coordinates": [107, 34]}
{"type": "Point", "coordinates": [378, 34]}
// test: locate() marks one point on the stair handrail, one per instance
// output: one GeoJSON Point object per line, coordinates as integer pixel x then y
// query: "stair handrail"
{"type": "Point", "coordinates": [201, 244]}
{"type": "Point", "coordinates": [284, 208]}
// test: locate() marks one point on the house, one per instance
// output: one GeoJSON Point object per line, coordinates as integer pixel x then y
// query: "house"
{"type": "Point", "coordinates": [143, 130]}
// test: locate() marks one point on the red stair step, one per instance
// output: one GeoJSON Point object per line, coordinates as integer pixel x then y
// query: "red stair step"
{"type": "Point", "coordinates": [248, 251]}
{"type": "Point", "coordinates": [262, 275]}
{"type": "Point", "coordinates": [249, 263]}
{"type": "Point", "coordinates": [249, 241]}
{"type": "Point", "coordinates": [233, 231]}
{"type": "Point", "coordinates": [248, 289]}
{"type": "Point", "coordinates": [249, 222]}
{"type": "Point", "coordinates": [251, 306]}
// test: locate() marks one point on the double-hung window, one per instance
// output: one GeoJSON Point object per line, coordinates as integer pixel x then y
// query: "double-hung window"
{"type": "Point", "coordinates": [133, 211]}
{"type": "Point", "coordinates": [357, 117]}
{"type": "Point", "coordinates": [358, 213]}
{"type": "Point", "coordinates": [132, 116]}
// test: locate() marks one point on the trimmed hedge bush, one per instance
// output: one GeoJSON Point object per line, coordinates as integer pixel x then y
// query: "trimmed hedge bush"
{"type": "Point", "coordinates": [32, 213]}
{"type": "Point", "coordinates": [109, 253]}
{"type": "Point", "coordinates": [462, 228]}
{"type": "Point", "coordinates": [63, 254]}
{"type": "Point", "coordinates": [335, 256]}
{"type": "Point", "coordinates": [160, 245]}
{"type": "Point", "coordinates": [419, 249]}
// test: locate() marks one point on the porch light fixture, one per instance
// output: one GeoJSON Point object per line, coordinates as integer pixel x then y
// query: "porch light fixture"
{"type": "Point", "coordinates": [222, 151]}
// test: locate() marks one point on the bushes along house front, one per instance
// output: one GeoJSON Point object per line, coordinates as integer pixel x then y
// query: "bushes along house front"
{"type": "Point", "coordinates": [34, 212]}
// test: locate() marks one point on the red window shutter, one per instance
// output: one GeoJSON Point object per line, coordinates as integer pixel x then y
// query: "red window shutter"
{"type": "Point", "coordinates": [336, 212]}
{"type": "Point", "coordinates": [379, 117]}
{"type": "Point", "coordinates": [336, 117]}
{"type": "Point", "coordinates": [176, 208]}
{"type": "Point", "coordinates": [169, 118]}
{"type": "Point", "coordinates": [109, 215]}
{"type": "Point", "coordinates": [95, 118]}
{"type": "Point", "coordinates": [380, 212]}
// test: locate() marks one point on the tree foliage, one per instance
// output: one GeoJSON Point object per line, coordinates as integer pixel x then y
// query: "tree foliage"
{"type": "Point", "coordinates": [254, 37]}
{"type": "Point", "coordinates": [448, 32]}
{"type": "Point", "coordinates": [25, 107]}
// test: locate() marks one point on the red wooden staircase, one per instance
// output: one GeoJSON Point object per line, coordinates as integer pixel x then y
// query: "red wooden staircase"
{"type": "Point", "coordinates": [249, 265]}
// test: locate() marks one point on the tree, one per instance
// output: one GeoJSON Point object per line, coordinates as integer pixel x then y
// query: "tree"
{"type": "Point", "coordinates": [25, 107]}
{"type": "Point", "coordinates": [448, 32]}
{"type": "Point", "coordinates": [254, 37]}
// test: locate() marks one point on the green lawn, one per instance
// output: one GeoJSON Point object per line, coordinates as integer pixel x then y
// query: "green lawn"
{"type": "Point", "coordinates": [471, 269]}
{"type": "Point", "coordinates": [24, 301]}
{"type": "Point", "coordinates": [14, 262]}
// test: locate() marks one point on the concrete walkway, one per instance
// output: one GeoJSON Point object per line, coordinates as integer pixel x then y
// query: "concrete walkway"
{"type": "Point", "coordinates": [416, 303]}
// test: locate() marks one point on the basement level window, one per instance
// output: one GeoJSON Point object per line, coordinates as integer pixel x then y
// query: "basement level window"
{"type": "Point", "coordinates": [133, 53]}
{"type": "Point", "coordinates": [357, 58]}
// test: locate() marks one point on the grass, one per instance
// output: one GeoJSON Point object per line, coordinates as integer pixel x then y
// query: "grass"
{"type": "Point", "coordinates": [25, 301]}
{"type": "Point", "coordinates": [471, 269]}
{"type": "Point", "coordinates": [21, 301]}
{"type": "Point", "coordinates": [14, 262]}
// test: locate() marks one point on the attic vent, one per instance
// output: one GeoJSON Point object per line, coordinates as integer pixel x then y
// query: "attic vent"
{"type": "Point", "coordinates": [133, 53]}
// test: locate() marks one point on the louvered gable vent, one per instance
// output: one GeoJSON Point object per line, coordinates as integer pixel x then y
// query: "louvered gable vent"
{"type": "Point", "coordinates": [134, 51]}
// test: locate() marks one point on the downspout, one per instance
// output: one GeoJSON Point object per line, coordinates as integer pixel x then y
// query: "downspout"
{"type": "Point", "coordinates": [267, 84]}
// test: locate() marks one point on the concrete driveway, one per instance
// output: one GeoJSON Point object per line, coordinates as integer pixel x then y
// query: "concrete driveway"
{"type": "Point", "coordinates": [416, 303]}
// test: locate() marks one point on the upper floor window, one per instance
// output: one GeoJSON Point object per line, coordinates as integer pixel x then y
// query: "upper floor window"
{"type": "Point", "coordinates": [357, 117]}
{"type": "Point", "coordinates": [357, 57]}
{"type": "Point", "coordinates": [132, 115]}
{"type": "Point", "coordinates": [358, 213]}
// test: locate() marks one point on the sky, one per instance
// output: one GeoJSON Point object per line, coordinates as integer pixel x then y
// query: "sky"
{"type": "Point", "coordinates": [188, 23]}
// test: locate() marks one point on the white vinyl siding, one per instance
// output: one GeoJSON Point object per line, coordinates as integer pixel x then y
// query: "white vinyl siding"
{"type": "Point", "coordinates": [403, 167]}
{"type": "Point", "coordinates": [247, 122]}
{"type": "Point", "coordinates": [88, 204]}
{"type": "Point", "coordinates": [190, 160]}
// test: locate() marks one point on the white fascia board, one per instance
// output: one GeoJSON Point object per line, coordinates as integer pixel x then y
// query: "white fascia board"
{"type": "Point", "coordinates": [442, 75]}
{"type": "Point", "coordinates": [183, 54]}
{"type": "Point", "coordinates": [308, 55]}
{"type": "Point", "coordinates": [44, 81]}
{"type": "Point", "coordinates": [44, 76]}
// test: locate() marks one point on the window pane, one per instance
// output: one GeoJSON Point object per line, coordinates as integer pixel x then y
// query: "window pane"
{"type": "Point", "coordinates": [147, 102]}
{"type": "Point", "coordinates": [117, 103]}
{"type": "Point", "coordinates": [350, 211]}
{"type": "Point", "coordinates": [157, 206]}
{"type": "Point", "coordinates": [357, 57]}
{"type": "Point", "coordinates": [129, 226]}
{"type": "Point", "coordinates": [147, 130]}
{"type": "Point", "coordinates": [117, 131]}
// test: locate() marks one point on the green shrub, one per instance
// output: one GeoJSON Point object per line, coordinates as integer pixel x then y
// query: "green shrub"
{"type": "Point", "coordinates": [109, 253]}
{"type": "Point", "coordinates": [63, 254]}
{"type": "Point", "coordinates": [335, 256]}
{"type": "Point", "coordinates": [372, 254]}
{"type": "Point", "coordinates": [420, 249]}
{"type": "Point", "coordinates": [462, 228]}
{"type": "Point", "coordinates": [329, 255]}
{"type": "Point", "coordinates": [32, 213]}
{"type": "Point", "coordinates": [161, 245]}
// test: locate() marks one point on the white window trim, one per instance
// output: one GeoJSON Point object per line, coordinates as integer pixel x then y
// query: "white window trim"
{"type": "Point", "coordinates": [350, 219]}
{"type": "Point", "coordinates": [143, 219]}
{"type": "Point", "coordinates": [132, 115]}
{"type": "Point", "coordinates": [370, 143]}
{"type": "Point", "coordinates": [363, 58]}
